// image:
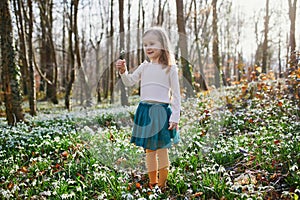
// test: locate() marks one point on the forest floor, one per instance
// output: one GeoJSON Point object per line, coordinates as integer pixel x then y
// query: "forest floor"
{"type": "Point", "coordinates": [238, 142]}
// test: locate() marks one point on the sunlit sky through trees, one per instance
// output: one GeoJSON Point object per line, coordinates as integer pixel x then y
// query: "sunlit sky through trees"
{"type": "Point", "coordinates": [249, 11]}
{"type": "Point", "coordinates": [279, 20]}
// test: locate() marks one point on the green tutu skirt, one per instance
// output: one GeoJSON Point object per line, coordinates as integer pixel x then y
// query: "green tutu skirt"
{"type": "Point", "coordinates": [150, 129]}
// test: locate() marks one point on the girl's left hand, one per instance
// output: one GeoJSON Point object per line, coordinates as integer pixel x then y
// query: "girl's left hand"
{"type": "Point", "coordinates": [173, 125]}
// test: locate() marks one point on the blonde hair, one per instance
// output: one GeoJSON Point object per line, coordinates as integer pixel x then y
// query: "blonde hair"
{"type": "Point", "coordinates": [167, 57]}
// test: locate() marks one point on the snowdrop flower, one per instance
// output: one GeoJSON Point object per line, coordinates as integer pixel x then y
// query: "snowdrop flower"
{"type": "Point", "coordinates": [6, 193]}
{"type": "Point", "coordinates": [285, 193]}
{"type": "Point", "coordinates": [103, 195]}
{"type": "Point", "coordinates": [137, 193]}
{"type": "Point", "coordinates": [153, 196]}
{"type": "Point", "coordinates": [45, 193]}
{"type": "Point", "coordinates": [56, 139]}
{"type": "Point", "coordinates": [22, 184]}
{"type": "Point", "coordinates": [70, 181]}
{"type": "Point", "coordinates": [65, 196]}
{"type": "Point", "coordinates": [221, 169]}
{"type": "Point", "coordinates": [127, 196]}
{"type": "Point", "coordinates": [78, 189]}
{"type": "Point", "coordinates": [294, 167]}
{"type": "Point", "coordinates": [34, 182]}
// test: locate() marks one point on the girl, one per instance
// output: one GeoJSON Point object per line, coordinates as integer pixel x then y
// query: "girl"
{"type": "Point", "coordinates": [155, 121]}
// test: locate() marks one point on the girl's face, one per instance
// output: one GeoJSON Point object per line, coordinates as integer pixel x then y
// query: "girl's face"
{"type": "Point", "coordinates": [152, 47]}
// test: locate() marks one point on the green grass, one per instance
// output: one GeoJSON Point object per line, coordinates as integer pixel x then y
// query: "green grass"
{"type": "Point", "coordinates": [239, 145]}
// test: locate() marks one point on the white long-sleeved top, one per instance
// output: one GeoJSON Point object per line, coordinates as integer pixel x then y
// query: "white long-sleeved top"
{"type": "Point", "coordinates": [157, 84]}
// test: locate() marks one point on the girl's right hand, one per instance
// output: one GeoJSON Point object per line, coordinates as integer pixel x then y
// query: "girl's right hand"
{"type": "Point", "coordinates": [121, 66]}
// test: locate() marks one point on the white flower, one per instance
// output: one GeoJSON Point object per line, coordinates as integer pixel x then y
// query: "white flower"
{"type": "Point", "coordinates": [70, 181]}
{"type": "Point", "coordinates": [153, 196]}
{"type": "Point", "coordinates": [6, 193]}
{"type": "Point", "coordinates": [294, 167]}
{"type": "Point", "coordinates": [56, 139]}
{"type": "Point", "coordinates": [221, 169]}
{"type": "Point", "coordinates": [127, 196]}
{"type": "Point", "coordinates": [34, 182]}
{"type": "Point", "coordinates": [102, 195]}
{"type": "Point", "coordinates": [23, 184]}
{"type": "Point", "coordinates": [45, 193]}
{"type": "Point", "coordinates": [78, 189]}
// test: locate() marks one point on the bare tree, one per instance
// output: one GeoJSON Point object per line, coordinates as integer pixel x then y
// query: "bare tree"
{"type": "Point", "coordinates": [239, 27]}
{"type": "Point", "coordinates": [216, 57]}
{"type": "Point", "coordinates": [25, 30]}
{"type": "Point", "coordinates": [81, 72]}
{"type": "Point", "coordinates": [140, 28]}
{"type": "Point", "coordinates": [47, 52]}
{"type": "Point", "coordinates": [71, 59]}
{"type": "Point", "coordinates": [106, 76]}
{"type": "Point", "coordinates": [292, 16]}
{"type": "Point", "coordinates": [10, 71]}
{"type": "Point", "coordinates": [128, 35]}
{"type": "Point", "coordinates": [265, 43]}
{"type": "Point", "coordinates": [64, 69]}
{"type": "Point", "coordinates": [111, 46]}
{"type": "Point", "coordinates": [279, 55]}
{"type": "Point", "coordinates": [160, 15]}
{"type": "Point", "coordinates": [97, 49]}
{"type": "Point", "coordinates": [124, 98]}
{"type": "Point", "coordinates": [186, 68]}
{"type": "Point", "coordinates": [201, 78]}
{"type": "Point", "coordinates": [31, 79]}
{"type": "Point", "coordinates": [18, 8]}
{"type": "Point", "coordinates": [258, 40]}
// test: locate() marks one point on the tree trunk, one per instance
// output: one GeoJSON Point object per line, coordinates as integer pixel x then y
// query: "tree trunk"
{"type": "Point", "coordinates": [64, 77]}
{"type": "Point", "coordinates": [279, 56]}
{"type": "Point", "coordinates": [112, 66]}
{"type": "Point", "coordinates": [216, 57]}
{"type": "Point", "coordinates": [287, 52]}
{"type": "Point", "coordinates": [140, 29]}
{"type": "Point", "coordinates": [26, 54]}
{"type": "Point", "coordinates": [10, 72]}
{"type": "Point", "coordinates": [128, 35]}
{"type": "Point", "coordinates": [202, 81]}
{"type": "Point", "coordinates": [81, 72]}
{"type": "Point", "coordinates": [31, 78]}
{"type": "Point", "coordinates": [124, 98]}
{"type": "Point", "coordinates": [236, 53]}
{"type": "Point", "coordinates": [96, 47]}
{"type": "Point", "coordinates": [48, 58]}
{"type": "Point", "coordinates": [71, 63]}
{"type": "Point", "coordinates": [105, 76]}
{"type": "Point", "coordinates": [292, 16]}
{"type": "Point", "coordinates": [139, 50]}
{"type": "Point", "coordinates": [97, 52]}
{"type": "Point", "coordinates": [265, 43]}
{"type": "Point", "coordinates": [160, 15]}
{"type": "Point", "coordinates": [186, 69]}
{"type": "Point", "coordinates": [143, 29]}
{"type": "Point", "coordinates": [22, 44]}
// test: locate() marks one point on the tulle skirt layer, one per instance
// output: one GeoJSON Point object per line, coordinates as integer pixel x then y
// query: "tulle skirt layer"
{"type": "Point", "coordinates": [150, 129]}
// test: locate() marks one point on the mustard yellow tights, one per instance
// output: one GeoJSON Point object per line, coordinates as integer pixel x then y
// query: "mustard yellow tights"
{"type": "Point", "coordinates": [157, 163]}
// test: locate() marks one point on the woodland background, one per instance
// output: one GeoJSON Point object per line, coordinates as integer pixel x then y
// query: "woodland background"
{"type": "Point", "coordinates": [65, 50]}
{"type": "Point", "coordinates": [65, 135]}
